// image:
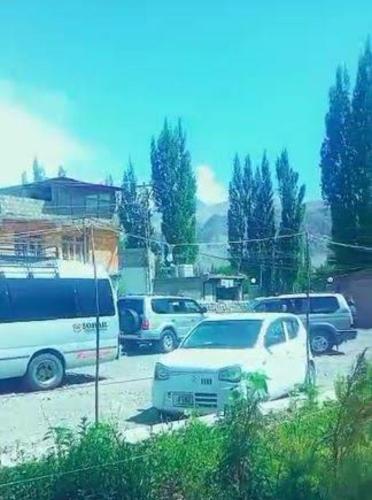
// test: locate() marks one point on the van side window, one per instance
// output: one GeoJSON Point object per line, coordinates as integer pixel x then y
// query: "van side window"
{"type": "Point", "coordinates": [275, 334]}
{"type": "Point", "coordinates": [41, 299]}
{"type": "Point", "coordinates": [323, 305]}
{"type": "Point", "coordinates": [86, 294]}
{"type": "Point", "coordinates": [38, 299]}
{"type": "Point", "coordinates": [292, 328]}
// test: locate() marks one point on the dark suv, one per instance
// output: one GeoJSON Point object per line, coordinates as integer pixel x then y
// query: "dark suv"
{"type": "Point", "coordinates": [331, 320]}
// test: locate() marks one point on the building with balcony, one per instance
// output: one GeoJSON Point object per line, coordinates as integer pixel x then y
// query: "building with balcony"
{"type": "Point", "coordinates": [57, 218]}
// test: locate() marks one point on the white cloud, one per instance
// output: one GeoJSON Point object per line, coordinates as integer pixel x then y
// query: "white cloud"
{"type": "Point", "coordinates": [26, 133]}
{"type": "Point", "coordinates": [209, 189]}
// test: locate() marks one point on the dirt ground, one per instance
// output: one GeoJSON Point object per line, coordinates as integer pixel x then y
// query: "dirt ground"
{"type": "Point", "coordinates": [125, 396]}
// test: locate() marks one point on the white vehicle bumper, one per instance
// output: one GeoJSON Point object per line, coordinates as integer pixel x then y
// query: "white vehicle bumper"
{"type": "Point", "coordinates": [199, 392]}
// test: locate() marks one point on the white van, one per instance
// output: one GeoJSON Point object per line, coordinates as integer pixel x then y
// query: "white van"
{"type": "Point", "coordinates": [48, 321]}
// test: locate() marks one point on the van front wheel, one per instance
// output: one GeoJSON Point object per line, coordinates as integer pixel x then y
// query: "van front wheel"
{"type": "Point", "coordinates": [45, 371]}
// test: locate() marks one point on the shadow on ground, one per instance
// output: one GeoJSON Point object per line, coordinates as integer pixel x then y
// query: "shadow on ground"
{"type": "Point", "coordinates": [151, 416]}
{"type": "Point", "coordinates": [17, 386]}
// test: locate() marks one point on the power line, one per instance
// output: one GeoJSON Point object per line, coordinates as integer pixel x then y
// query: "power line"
{"type": "Point", "coordinates": [339, 243]}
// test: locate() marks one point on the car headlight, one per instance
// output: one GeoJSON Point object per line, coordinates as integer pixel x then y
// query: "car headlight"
{"type": "Point", "coordinates": [161, 372]}
{"type": "Point", "coordinates": [230, 374]}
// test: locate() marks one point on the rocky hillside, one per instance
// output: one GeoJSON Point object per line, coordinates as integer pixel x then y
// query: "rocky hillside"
{"type": "Point", "coordinates": [212, 229]}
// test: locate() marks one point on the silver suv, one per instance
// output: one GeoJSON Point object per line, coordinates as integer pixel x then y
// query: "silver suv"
{"type": "Point", "coordinates": [157, 320]}
{"type": "Point", "coordinates": [331, 320]}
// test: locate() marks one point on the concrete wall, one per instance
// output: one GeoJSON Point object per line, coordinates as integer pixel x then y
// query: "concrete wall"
{"type": "Point", "coordinates": [135, 280]}
{"type": "Point", "coordinates": [187, 287]}
{"type": "Point", "coordinates": [358, 286]}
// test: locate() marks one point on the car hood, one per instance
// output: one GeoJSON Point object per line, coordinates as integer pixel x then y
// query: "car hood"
{"type": "Point", "coordinates": [211, 359]}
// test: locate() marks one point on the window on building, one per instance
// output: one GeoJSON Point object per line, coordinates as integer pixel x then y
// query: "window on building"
{"type": "Point", "coordinates": [91, 204]}
{"type": "Point", "coordinates": [73, 248]}
{"type": "Point", "coordinates": [30, 247]}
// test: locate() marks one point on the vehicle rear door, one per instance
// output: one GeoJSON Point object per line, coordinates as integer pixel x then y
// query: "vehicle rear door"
{"type": "Point", "coordinates": [326, 309]}
{"type": "Point", "coordinates": [174, 314]}
{"type": "Point", "coordinates": [296, 350]}
{"type": "Point", "coordinates": [276, 359]}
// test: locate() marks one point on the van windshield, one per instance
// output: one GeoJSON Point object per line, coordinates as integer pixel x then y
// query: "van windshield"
{"type": "Point", "coordinates": [233, 334]}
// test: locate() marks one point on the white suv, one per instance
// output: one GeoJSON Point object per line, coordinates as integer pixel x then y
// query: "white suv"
{"type": "Point", "coordinates": [157, 320]}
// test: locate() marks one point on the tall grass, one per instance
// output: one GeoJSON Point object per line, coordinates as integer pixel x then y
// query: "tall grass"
{"type": "Point", "coordinates": [311, 451]}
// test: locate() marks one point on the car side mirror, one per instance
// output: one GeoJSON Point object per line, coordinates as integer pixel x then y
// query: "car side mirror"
{"type": "Point", "coordinates": [203, 310]}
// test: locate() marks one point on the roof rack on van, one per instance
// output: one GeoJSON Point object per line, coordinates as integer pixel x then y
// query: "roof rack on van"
{"type": "Point", "coordinates": [30, 265]}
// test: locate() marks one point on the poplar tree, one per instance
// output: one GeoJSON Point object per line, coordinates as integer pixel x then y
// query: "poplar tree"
{"type": "Point", "coordinates": [174, 188]}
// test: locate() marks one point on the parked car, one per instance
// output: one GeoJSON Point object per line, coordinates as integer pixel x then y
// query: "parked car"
{"type": "Point", "coordinates": [211, 362]}
{"type": "Point", "coordinates": [48, 321]}
{"type": "Point", "coordinates": [331, 320]}
{"type": "Point", "coordinates": [160, 321]}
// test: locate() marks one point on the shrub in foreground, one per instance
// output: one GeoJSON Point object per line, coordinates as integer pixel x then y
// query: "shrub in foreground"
{"type": "Point", "coordinates": [312, 451]}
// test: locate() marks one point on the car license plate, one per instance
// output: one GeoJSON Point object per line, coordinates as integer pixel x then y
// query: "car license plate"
{"type": "Point", "coordinates": [183, 399]}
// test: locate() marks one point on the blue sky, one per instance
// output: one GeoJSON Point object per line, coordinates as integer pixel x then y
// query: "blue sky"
{"type": "Point", "coordinates": [87, 83]}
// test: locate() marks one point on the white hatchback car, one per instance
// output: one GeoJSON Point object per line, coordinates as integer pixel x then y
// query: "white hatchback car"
{"type": "Point", "coordinates": [214, 357]}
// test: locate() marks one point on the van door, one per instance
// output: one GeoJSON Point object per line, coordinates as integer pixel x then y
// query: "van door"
{"type": "Point", "coordinates": [276, 359]}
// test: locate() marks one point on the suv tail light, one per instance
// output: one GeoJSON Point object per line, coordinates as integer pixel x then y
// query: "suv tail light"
{"type": "Point", "coordinates": [145, 325]}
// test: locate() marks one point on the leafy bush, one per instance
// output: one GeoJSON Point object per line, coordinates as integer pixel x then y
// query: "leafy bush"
{"type": "Point", "coordinates": [311, 451]}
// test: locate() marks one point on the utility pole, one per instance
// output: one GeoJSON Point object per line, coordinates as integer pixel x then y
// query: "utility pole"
{"type": "Point", "coordinates": [308, 289]}
{"type": "Point", "coordinates": [96, 295]}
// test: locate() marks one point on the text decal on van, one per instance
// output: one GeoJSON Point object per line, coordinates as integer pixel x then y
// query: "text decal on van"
{"type": "Point", "coordinates": [89, 326]}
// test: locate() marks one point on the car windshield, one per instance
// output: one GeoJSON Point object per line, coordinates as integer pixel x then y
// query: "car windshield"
{"type": "Point", "coordinates": [239, 334]}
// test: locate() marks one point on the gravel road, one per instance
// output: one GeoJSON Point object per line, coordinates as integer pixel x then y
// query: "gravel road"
{"type": "Point", "coordinates": [125, 396]}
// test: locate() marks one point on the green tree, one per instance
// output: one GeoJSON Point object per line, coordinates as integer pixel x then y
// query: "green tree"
{"type": "Point", "coordinates": [337, 171]}
{"type": "Point", "coordinates": [288, 251]}
{"type": "Point", "coordinates": [24, 178]}
{"type": "Point", "coordinates": [236, 217]}
{"type": "Point", "coordinates": [361, 140]}
{"type": "Point", "coordinates": [38, 171]}
{"type": "Point", "coordinates": [264, 217]}
{"type": "Point", "coordinates": [109, 181]}
{"type": "Point", "coordinates": [174, 188]}
{"type": "Point", "coordinates": [135, 211]}
{"type": "Point", "coordinates": [251, 227]}
{"type": "Point", "coordinates": [62, 171]}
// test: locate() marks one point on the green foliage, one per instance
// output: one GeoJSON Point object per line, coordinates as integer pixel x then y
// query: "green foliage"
{"type": "Point", "coordinates": [361, 142]}
{"type": "Point", "coordinates": [62, 171]}
{"type": "Point", "coordinates": [236, 223]}
{"type": "Point", "coordinates": [312, 451]}
{"type": "Point", "coordinates": [346, 163]}
{"type": "Point", "coordinates": [174, 188]}
{"type": "Point", "coordinates": [24, 178]}
{"type": "Point", "coordinates": [289, 251]}
{"type": "Point", "coordinates": [109, 181]}
{"type": "Point", "coordinates": [38, 171]}
{"type": "Point", "coordinates": [134, 211]}
{"type": "Point", "coordinates": [264, 217]}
